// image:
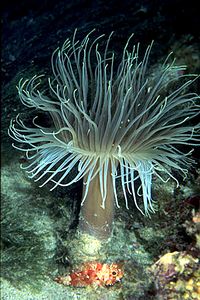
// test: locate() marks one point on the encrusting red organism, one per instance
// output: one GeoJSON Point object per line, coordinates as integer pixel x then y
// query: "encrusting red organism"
{"type": "Point", "coordinates": [93, 273]}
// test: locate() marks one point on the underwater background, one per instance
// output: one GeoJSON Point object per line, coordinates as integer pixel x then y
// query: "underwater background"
{"type": "Point", "coordinates": [159, 255]}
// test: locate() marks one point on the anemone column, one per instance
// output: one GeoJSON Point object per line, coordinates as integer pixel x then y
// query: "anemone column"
{"type": "Point", "coordinates": [95, 219]}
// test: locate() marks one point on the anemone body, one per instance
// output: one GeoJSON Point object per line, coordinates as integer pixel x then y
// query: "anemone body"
{"type": "Point", "coordinates": [112, 121]}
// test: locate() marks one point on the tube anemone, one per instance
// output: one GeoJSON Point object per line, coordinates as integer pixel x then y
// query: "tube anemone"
{"type": "Point", "coordinates": [112, 121]}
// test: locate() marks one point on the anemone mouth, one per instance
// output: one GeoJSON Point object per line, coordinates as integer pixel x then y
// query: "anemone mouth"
{"type": "Point", "coordinates": [108, 118]}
